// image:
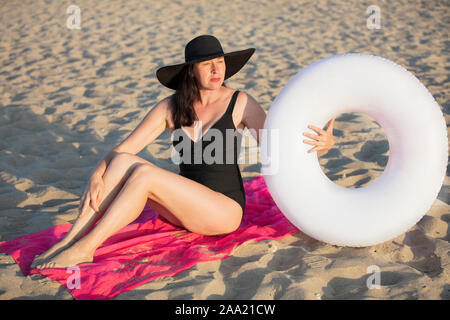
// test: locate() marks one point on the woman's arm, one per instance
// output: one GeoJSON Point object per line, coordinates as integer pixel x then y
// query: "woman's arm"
{"type": "Point", "coordinates": [151, 127]}
{"type": "Point", "coordinates": [254, 117]}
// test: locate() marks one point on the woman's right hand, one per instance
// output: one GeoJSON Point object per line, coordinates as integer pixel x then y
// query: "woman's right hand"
{"type": "Point", "coordinates": [93, 195]}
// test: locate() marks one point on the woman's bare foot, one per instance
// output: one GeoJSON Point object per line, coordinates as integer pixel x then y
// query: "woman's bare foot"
{"type": "Point", "coordinates": [53, 251]}
{"type": "Point", "coordinates": [67, 258]}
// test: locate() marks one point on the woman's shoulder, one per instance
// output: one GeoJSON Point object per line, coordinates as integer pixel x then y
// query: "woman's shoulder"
{"type": "Point", "coordinates": [165, 103]}
{"type": "Point", "coordinates": [243, 98]}
{"type": "Point", "coordinates": [241, 94]}
{"type": "Point", "coordinates": [169, 108]}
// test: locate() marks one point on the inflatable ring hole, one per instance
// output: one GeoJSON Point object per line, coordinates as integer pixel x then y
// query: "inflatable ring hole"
{"type": "Point", "coordinates": [360, 152]}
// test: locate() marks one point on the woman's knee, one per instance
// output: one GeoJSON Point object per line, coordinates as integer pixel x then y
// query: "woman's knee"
{"type": "Point", "coordinates": [121, 165]}
{"type": "Point", "coordinates": [122, 158]}
{"type": "Point", "coordinates": [127, 161]}
{"type": "Point", "coordinates": [143, 172]}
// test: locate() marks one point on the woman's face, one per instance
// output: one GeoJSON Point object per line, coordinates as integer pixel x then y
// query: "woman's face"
{"type": "Point", "coordinates": [210, 74]}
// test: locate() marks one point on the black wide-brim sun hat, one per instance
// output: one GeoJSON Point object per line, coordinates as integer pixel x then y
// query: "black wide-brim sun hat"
{"type": "Point", "coordinates": [201, 48]}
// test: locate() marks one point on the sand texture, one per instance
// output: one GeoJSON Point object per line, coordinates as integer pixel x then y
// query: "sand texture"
{"type": "Point", "coordinates": [68, 96]}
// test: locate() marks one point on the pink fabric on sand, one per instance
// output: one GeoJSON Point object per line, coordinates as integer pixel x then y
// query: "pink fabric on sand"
{"type": "Point", "coordinates": [150, 248]}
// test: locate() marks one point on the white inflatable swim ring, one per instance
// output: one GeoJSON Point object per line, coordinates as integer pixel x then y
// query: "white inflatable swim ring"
{"type": "Point", "coordinates": [415, 128]}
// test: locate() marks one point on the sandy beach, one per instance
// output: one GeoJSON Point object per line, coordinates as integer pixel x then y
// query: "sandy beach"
{"type": "Point", "coordinates": [68, 96]}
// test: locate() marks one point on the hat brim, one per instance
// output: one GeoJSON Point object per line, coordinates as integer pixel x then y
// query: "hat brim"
{"type": "Point", "coordinates": [234, 61]}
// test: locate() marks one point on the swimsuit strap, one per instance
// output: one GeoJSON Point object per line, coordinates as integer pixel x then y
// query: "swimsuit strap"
{"type": "Point", "coordinates": [232, 103]}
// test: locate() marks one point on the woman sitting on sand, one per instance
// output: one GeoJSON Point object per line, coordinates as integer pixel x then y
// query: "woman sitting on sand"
{"type": "Point", "coordinates": [204, 198]}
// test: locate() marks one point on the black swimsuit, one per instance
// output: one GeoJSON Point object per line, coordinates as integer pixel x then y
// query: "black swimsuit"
{"type": "Point", "coordinates": [224, 177]}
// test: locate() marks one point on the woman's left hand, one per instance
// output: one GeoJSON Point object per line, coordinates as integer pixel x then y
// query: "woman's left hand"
{"type": "Point", "coordinates": [323, 141]}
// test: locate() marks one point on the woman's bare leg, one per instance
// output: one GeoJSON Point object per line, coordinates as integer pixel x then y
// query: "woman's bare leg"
{"type": "Point", "coordinates": [197, 207]}
{"type": "Point", "coordinates": [115, 176]}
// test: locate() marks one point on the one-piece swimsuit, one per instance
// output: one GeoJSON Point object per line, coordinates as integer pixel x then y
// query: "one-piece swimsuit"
{"type": "Point", "coordinates": [218, 166]}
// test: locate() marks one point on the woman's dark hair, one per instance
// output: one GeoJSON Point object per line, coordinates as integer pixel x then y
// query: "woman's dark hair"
{"type": "Point", "coordinates": [182, 101]}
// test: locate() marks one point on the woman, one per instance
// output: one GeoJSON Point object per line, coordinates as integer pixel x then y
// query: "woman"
{"type": "Point", "coordinates": [205, 199]}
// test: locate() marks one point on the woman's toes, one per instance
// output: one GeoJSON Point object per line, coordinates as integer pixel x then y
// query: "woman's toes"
{"type": "Point", "coordinates": [43, 265]}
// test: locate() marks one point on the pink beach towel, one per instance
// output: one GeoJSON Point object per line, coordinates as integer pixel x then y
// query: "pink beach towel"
{"type": "Point", "coordinates": [150, 248]}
